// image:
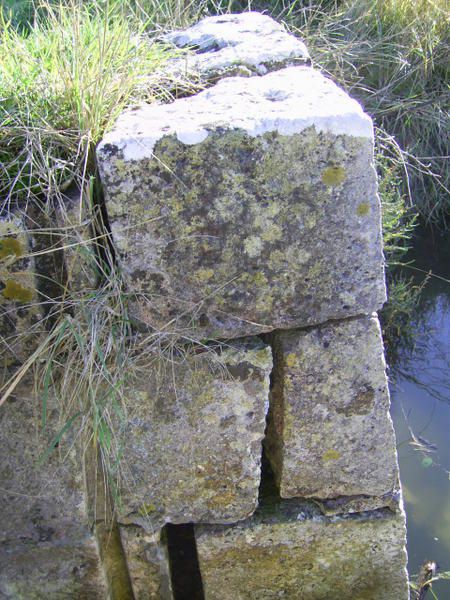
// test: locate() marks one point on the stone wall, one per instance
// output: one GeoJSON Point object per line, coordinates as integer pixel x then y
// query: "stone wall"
{"type": "Point", "coordinates": [246, 220]}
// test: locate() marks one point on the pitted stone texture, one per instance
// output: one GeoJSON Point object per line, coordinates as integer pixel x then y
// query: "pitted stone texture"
{"type": "Point", "coordinates": [195, 438]}
{"type": "Point", "coordinates": [249, 207]}
{"type": "Point", "coordinates": [46, 547]}
{"type": "Point", "coordinates": [238, 44]}
{"type": "Point", "coordinates": [148, 564]}
{"type": "Point", "coordinates": [20, 315]}
{"type": "Point", "coordinates": [291, 552]}
{"type": "Point", "coordinates": [330, 433]}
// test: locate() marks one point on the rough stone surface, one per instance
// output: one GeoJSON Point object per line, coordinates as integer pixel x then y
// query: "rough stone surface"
{"type": "Point", "coordinates": [20, 315]}
{"type": "Point", "coordinates": [249, 207]}
{"type": "Point", "coordinates": [238, 44]}
{"type": "Point", "coordinates": [46, 548]}
{"type": "Point", "coordinates": [194, 444]}
{"type": "Point", "coordinates": [289, 551]}
{"type": "Point", "coordinates": [147, 564]}
{"type": "Point", "coordinates": [330, 433]}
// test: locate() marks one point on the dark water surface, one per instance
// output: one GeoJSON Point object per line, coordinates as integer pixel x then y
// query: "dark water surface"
{"type": "Point", "coordinates": [420, 390]}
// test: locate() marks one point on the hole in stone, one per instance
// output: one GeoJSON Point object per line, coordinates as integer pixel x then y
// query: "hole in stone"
{"type": "Point", "coordinates": [183, 562]}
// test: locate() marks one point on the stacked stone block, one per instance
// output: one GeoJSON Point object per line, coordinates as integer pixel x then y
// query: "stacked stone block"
{"type": "Point", "coordinates": [252, 208]}
{"type": "Point", "coordinates": [245, 220]}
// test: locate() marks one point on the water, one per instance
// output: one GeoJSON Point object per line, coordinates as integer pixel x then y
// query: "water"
{"type": "Point", "coordinates": [421, 412]}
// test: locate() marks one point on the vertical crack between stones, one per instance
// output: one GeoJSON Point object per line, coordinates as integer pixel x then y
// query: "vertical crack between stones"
{"type": "Point", "coordinates": [184, 565]}
{"type": "Point", "coordinates": [271, 462]}
{"type": "Point", "coordinates": [106, 529]}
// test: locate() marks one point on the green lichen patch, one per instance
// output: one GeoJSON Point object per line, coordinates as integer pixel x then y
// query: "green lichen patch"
{"type": "Point", "coordinates": [334, 176]}
{"type": "Point", "coordinates": [16, 291]}
{"type": "Point", "coordinates": [331, 455]}
{"type": "Point", "coordinates": [363, 209]}
{"type": "Point", "coordinates": [10, 247]}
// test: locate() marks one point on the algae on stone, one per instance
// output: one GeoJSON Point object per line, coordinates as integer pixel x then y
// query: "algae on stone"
{"type": "Point", "coordinates": [330, 433]}
{"type": "Point", "coordinates": [20, 314]}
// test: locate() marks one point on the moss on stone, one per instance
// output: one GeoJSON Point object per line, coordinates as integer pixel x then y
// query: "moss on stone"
{"type": "Point", "coordinates": [331, 455]}
{"type": "Point", "coordinates": [10, 247]}
{"type": "Point", "coordinates": [363, 209]}
{"type": "Point", "coordinates": [334, 176]}
{"type": "Point", "coordinates": [15, 291]}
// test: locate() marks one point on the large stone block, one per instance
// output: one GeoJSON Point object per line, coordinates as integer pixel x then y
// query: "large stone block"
{"type": "Point", "coordinates": [193, 446]}
{"type": "Point", "coordinates": [249, 207]}
{"type": "Point", "coordinates": [46, 548]}
{"type": "Point", "coordinates": [20, 314]}
{"type": "Point", "coordinates": [237, 44]}
{"type": "Point", "coordinates": [330, 433]}
{"type": "Point", "coordinates": [290, 551]}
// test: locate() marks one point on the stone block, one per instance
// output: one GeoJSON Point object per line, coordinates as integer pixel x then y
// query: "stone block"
{"type": "Point", "coordinates": [46, 548]}
{"type": "Point", "coordinates": [148, 564]}
{"type": "Point", "coordinates": [20, 315]}
{"type": "Point", "coordinates": [192, 451]}
{"type": "Point", "coordinates": [237, 44]}
{"type": "Point", "coordinates": [290, 551]}
{"type": "Point", "coordinates": [249, 207]}
{"type": "Point", "coordinates": [330, 432]}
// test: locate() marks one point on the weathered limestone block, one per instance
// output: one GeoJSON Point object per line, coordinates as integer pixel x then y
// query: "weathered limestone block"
{"type": "Point", "coordinates": [20, 315]}
{"type": "Point", "coordinates": [193, 448]}
{"type": "Point", "coordinates": [293, 552]}
{"type": "Point", "coordinates": [46, 547]}
{"type": "Point", "coordinates": [238, 44]}
{"type": "Point", "coordinates": [249, 207]}
{"type": "Point", "coordinates": [147, 564]}
{"type": "Point", "coordinates": [330, 433]}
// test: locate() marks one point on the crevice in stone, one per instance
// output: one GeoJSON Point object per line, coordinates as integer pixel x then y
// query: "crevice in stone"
{"type": "Point", "coordinates": [106, 529]}
{"type": "Point", "coordinates": [113, 561]}
{"type": "Point", "coordinates": [272, 444]}
{"type": "Point", "coordinates": [102, 229]}
{"type": "Point", "coordinates": [183, 562]}
{"type": "Point", "coordinates": [48, 258]}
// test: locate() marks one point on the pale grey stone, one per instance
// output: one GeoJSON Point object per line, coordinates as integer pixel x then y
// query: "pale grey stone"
{"type": "Point", "coordinates": [46, 548]}
{"type": "Point", "coordinates": [193, 446]}
{"type": "Point", "coordinates": [249, 207]}
{"type": "Point", "coordinates": [148, 563]}
{"type": "Point", "coordinates": [237, 44]}
{"type": "Point", "coordinates": [290, 551]}
{"type": "Point", "coordinates": [330, 433]}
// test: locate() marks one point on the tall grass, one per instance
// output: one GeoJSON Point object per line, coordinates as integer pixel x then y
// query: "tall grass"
{"type": "Point", "coordinates": [393, 55]}
{"type": "Point", "coordinates": [61, 86]}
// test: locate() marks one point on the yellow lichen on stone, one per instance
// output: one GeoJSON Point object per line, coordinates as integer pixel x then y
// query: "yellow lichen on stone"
{"type": "Point", "coordinates": [333, 176]}
{"type": "Point", "coordinates": [204, 275]}
{"type": "Point", "coordinates": [331, 455]}
{"type": "Point", "coordinates": [292, 360]}
{"type": "Point", "coordinates": [10, 247]}
{"type": "Point", "coordinates": [363, 209]}
{"type": "Point", "coordinates": [253, 246]}
{"type": "Point", "coordinates": [15, 291]}
{"type": "Point", "coordinates": [272, 234]}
